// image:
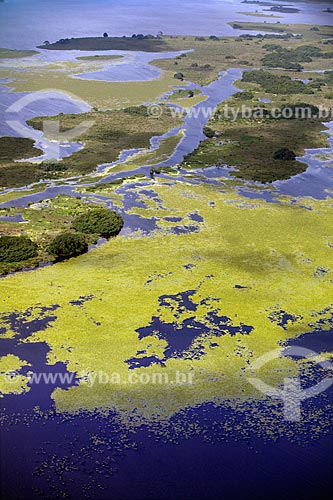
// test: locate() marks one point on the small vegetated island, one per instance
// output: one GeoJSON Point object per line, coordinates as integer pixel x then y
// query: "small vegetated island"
{"type": "Point", "coordinates": [148, 43]}
{"type": "Point", "coordinates": [71, 236]}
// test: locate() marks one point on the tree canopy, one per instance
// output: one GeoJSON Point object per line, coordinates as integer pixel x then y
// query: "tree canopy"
{"type": "Point", "coordinates": [284, 154]}
{"type": "Point", "coordinates": [17, 249]}
{"type": "Point", "coordinates": [99, 221]}
{"type": "Point", "coordinates": [66, 245]}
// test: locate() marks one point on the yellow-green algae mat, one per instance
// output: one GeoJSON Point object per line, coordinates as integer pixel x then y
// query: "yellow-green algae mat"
{"type": "Point", "coordinates": [247, 260]}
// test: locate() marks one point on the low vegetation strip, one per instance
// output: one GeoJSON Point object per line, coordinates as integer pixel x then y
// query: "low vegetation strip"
{"type": "Point", "coordinates": [16, 54]}
{"type": "Point", "coordinates": [109, 43]}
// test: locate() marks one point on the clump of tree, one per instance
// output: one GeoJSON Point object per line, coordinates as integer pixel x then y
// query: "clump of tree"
{"type": "Point", "coordinates": [51, 166]}
{"type": "Point", "coordinates": [67, 245]}
{"type": "Point", "coordinates": [272, 47]}
{"type": "Point", "coordinates": [17, 249]}
{"type": "Point", "coordinates": [136, 110]}
{"type": "Point", "coordinates": [277, 60]}
{"type": "Point", "coordinates": [246, 95]}
{"type": "Point", "coordinates": [290, 58]}
{"type": "Point", "coordinates": [209, 132]}
{"type": "Point", "coordinates": [267, 36]}
{"type": "Point", "coordinates": [299, 111]}
{"type": "Point", "coordinates": [179, 76]}
{"type": "Point", "coordinates": [101, 221]}
{"type": "Point", "coordinates": [284, 154]}
{"type": "Point", "coordinates": [275, 84]}
{"type": "Point", "coordinates": [140, 36]}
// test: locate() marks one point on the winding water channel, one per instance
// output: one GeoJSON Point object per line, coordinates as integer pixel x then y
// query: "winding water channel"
{"type": "Point", "coordinates": [316, 181]}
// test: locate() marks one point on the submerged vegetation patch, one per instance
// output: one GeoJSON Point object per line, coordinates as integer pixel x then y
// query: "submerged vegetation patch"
{"type": "Point", "coordinates": [220, 329]}
{"type": "Point", "coordinates": [185, 337]}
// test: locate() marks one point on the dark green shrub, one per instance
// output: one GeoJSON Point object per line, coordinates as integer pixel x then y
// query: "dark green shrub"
{"type": "Point", "coordinates": [284, 154]}
{"type": "Point", "coordinates": [99, 221]}
{"type": "Point", "coordinates": [67, 245]}
{"type": "Point", "coordinates": [17, 249]}
{"type": "Point", "coordinates": [53, 167]}
{"type": "Point", "coordinates": [208, 132]}
{"type": "Point", "coordinates": [276, 84]}
{"type": "Point", "coordinates": [246, 95]}
{"type": "Point", "coordinates": [136, 110]}
{"type": "Point", "coordinates": [272, 46]}
{"type": "Point", "coordinates": [290, 58]}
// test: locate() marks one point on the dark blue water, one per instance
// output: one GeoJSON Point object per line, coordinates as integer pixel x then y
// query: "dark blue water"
{"type": "Point", "coordinates": [12, 218]}
{"type": "Point", "coordinates": [183, 340]}
{"type": "Point", "coordinates": [208, 453]}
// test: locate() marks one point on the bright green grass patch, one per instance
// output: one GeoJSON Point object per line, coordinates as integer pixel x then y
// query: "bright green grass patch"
{"type": "Point", "coordinates": [100, 94]}
{"type": "Point", "coordinates": [13, 195]}
{"type": "Point", "coordinates": [10, 381]}
{"type": "Point", "coordinates": [188, 102]}
{"type": "Point", "coordinates": [99, 57]}
{"type": "Point", "coordinates": [16, 54]}
{"type": "Point", "coordinates": [183, 93]}
{"type": "Point", "coordinates": [241, 242]}
{"type": "Point", "coordinates": [145, 157]}
{"type": "Point", "coordinates": [302, 29]}
{"type": "Point", "coordinates": [258, 14]}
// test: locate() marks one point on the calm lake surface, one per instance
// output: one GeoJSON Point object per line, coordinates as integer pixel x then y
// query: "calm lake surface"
{"type": "Point", "coordinates": [25, 24]}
